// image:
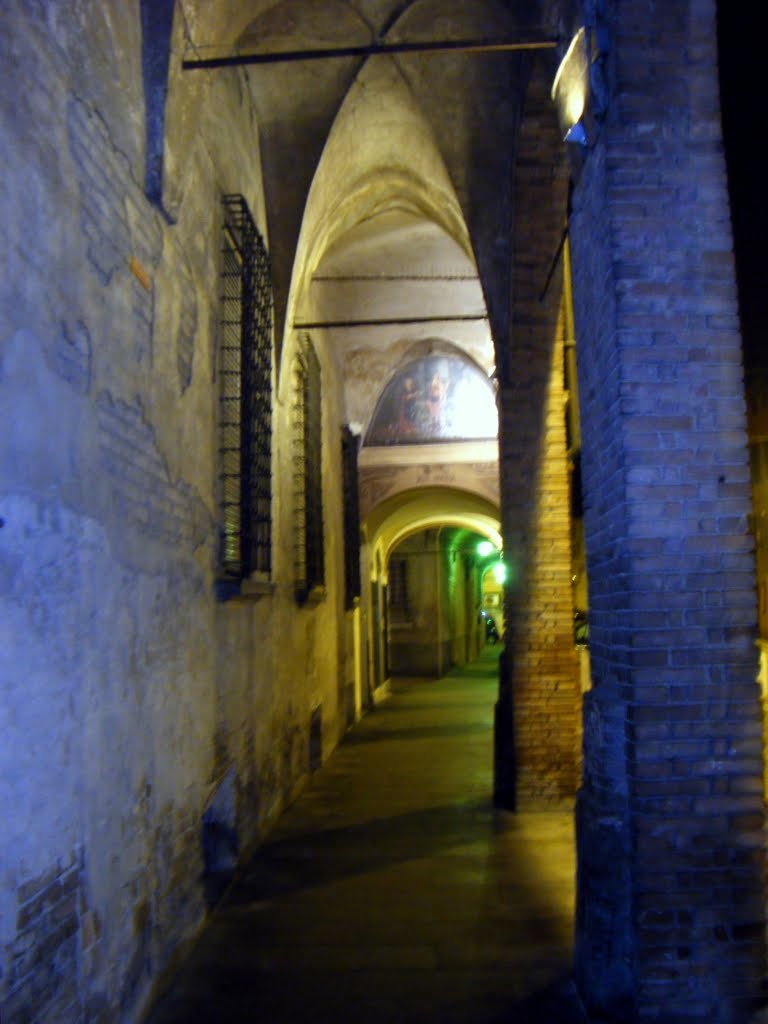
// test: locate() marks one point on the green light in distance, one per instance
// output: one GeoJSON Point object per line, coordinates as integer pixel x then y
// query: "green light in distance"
{"type": "Point", "coordinates": [500, 572]}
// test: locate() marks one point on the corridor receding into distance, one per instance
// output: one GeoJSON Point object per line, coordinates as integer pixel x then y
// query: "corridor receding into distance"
{"type": "Point", "coordinates": [392, 891]}
{"type": "Point", "coordinates": [383, 515]}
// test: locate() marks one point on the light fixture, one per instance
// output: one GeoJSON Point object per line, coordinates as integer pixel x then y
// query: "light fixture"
{"type": "Point", "coordinates": [576, 134]}
{"type": "Point", "coordinates": [500, 572]}
{"type": "Point", "coordinates": [570, 90]}
{"type": "Point", "coordinates": [485, 548]}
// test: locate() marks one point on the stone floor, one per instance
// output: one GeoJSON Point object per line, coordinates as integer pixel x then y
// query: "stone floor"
{"type": "Point", "coordinates": [392, 892]}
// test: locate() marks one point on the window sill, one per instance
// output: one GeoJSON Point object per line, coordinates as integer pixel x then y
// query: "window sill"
{"type": "Point", "coordinates": [246, 591]}
{"type": "Point", "coordinates": [313, 597]}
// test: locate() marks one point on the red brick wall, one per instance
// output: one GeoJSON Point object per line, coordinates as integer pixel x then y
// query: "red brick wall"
{"type": "Point", "coordinates": [541, 664]}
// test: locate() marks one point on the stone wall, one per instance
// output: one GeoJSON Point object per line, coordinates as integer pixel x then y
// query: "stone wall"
{"type": "Point", "coordinates": [436, 629]}
{"type": "Point", "coordinates": [419, 643]}
{"type": "Point", "coordinates": [130, 696]}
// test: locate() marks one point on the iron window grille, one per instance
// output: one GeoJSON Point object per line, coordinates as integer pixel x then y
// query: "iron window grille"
{"type": "Point", "coordinates": [350, 445]}
{"type": "Point", "coordinates": [307, 472]}
{"type": "Point", "coordinates": [245, 396]}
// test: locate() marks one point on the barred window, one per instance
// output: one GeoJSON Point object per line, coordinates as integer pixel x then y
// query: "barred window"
{"type": "Point", "coordinates": [350, 445]}
{"type": "Point", "coordinates": [245, 396]}
{"type": "Point", "coordinates": [307, 472]}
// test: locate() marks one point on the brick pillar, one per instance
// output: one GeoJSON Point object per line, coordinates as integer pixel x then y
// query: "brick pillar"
{"type": "Point", "coordinates": [670, 918]}
{"type": "Point", "coordinates": [542, 657]}
{"type": "Point", "coordinates": [539, 707]}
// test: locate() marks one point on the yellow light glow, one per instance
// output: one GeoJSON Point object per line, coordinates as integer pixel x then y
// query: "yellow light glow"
{"type": "Point", "coordinates": [571, 84]}
{"type": "Point", "coordinates": [574, 106]}
{"type": "Point", "coordinates": [474, 413]}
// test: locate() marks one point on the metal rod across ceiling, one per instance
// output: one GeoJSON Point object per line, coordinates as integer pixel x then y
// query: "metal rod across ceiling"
{"type": "Point", "coordinates": [393, 322]}
{"type": "Point", "coordinates": [371, 50]}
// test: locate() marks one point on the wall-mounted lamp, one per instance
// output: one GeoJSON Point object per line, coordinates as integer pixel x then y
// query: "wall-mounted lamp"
{"type": "Point", "coordinates": [570, 90]}
{"type": "Point", "coordinates": [576, 134]}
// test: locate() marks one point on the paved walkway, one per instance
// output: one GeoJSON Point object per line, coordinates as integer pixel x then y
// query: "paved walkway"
{"type": "Point", "coordinates": [391, 891]}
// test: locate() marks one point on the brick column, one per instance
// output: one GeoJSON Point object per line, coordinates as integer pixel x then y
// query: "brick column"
{"type": "Point", "coordinates": [670, 919]}
{"type": "Point", "coordinates": [539, 707]}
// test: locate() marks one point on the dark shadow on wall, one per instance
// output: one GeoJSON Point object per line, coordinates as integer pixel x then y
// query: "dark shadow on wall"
{"type": "Point", "coordinates": [741, 71]}
{"type": "Point", "coordinates": [156, 29]}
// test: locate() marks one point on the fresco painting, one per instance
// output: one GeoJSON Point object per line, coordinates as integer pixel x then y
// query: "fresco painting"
{"type": "Point", "coordinates": [437, 398]}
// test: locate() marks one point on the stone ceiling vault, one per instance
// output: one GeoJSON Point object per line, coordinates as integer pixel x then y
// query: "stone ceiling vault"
{"type": "Point", "coordinates": [470, 103]}
{"type": "Point", "coordinates": [388, 180]}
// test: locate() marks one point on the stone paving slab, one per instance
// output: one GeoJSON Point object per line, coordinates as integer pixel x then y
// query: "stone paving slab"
{"type": "Point", "coordinates": [392, 891]}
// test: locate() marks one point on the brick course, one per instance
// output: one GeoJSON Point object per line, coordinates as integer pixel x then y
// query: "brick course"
{"type": "Point", "coordinates": [672, 608]}
{"type": "Point", "coordinates": [540, 671]}
{"type": "Point", "coordinates": [56, 933]}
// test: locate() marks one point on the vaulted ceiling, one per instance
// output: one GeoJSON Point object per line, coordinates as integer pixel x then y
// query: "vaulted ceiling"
{"type": "Point", "coordinates": [388, 178]}
{"type": "Point", "coordinates": [430, 133]}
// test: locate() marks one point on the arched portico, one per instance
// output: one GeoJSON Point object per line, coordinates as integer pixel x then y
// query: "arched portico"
{"type": "Point", "coordinates": [408, 202]}
{"type": "Point", "coordinates": [429, 530]}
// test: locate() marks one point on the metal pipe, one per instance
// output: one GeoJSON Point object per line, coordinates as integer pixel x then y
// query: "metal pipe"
{"type": "Point", "coordinates": [370, 50]}
{"type": "Point", "coordinates": [396, 322]}
{"type": "Point", "coordinates": [553, 264]}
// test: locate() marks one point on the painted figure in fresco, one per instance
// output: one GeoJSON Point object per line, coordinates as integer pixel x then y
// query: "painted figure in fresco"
{"type": "Point", "coordinates": [434, 399]}
{"type": "Point", "coordinates": [438, 389]}
{"type": "Point", "coordinates": [408, 417]}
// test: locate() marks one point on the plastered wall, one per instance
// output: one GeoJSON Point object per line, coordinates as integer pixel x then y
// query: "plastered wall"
{"type": "Point", "coordinates": [128, 692]}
